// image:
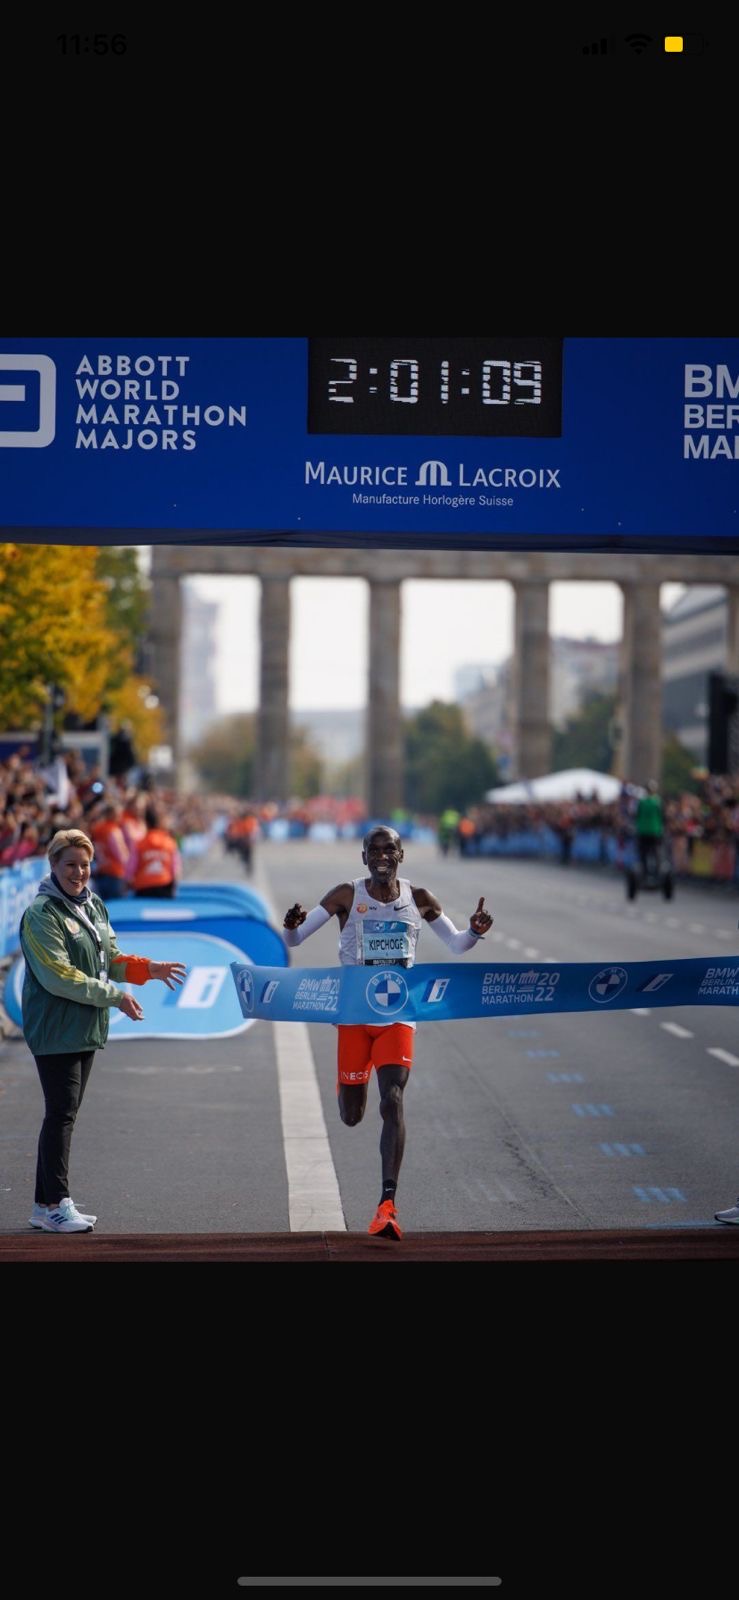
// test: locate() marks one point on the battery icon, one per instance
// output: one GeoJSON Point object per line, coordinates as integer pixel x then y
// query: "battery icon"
{"type": "Point", "coordinates": [689, 44]}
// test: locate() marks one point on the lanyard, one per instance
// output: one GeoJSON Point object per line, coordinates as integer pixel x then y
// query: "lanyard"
{"type": "Point", "coordinates": [87, 919]}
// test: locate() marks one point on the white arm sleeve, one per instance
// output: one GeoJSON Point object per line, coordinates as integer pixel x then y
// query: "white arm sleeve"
{"type": "Point", "coordinates": [314, 920]}
{"type": "Point", "coordinates": [456, 941]}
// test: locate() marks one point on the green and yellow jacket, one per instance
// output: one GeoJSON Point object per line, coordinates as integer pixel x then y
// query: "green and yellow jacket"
{"type": "Point", "coordinates": [71, 972]}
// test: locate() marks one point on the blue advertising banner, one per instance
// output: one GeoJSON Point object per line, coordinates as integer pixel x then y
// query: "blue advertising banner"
{"type": "Point", "coordinates": [436, 994]}
{"type": "Point", "coordinates": [205, 1007]}
{"type": "Point", "coordinates": [501, 443]}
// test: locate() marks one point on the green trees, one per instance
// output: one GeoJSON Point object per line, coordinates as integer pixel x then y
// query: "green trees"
{"type": "Point", "coordinates": [225, 758]}
{"type": "Point", "coordinates": [586, 739]}
{"type": "Point", "coordinates": [445, 765]}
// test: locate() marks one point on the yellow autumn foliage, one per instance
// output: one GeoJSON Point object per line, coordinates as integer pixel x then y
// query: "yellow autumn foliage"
{"type": "Point", "coordinates": [53, 628]}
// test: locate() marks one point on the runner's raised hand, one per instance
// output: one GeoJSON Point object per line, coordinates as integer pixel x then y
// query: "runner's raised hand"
{"type": "Point", "coordinates": [481, 921]}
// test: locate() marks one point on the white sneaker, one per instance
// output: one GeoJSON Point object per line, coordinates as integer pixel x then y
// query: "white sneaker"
{"type": "Point", "coordinates": [732, 1215]}
{"type": "Point", "coordinates": [65, 1218]}
{"type": "Point", "coordinates": [39, 1212]}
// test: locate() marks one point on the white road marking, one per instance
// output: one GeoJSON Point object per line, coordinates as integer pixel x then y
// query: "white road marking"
{"type": "Point", "coordinates": [314, 1200]}
{"type": "Point", "coordinates": [641, 1011]}
{"type": "Point", "coordinates": [674, 1027]}
{"type": "Point", "coordinates": [723, 1055]}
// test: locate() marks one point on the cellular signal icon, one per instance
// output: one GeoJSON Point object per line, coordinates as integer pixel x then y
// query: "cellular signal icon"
{"type": "Point", "coordinates": [638, 42]}
{"type": "Point", "coordinates": [599, 48]}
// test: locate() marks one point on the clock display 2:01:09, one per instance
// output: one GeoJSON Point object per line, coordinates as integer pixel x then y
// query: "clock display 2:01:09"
{"type": "Point", "coordinates": [98, 44]}
{"type": "Point", "coordinates": [435, 386]}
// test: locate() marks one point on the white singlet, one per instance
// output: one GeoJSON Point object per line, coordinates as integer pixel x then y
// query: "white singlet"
{"type": "Point", "coordinates": [377, 934]}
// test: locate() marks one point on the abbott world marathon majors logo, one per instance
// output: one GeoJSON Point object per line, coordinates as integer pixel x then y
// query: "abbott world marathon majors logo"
{"type": "Point", "coordinates": [27, 402]}
{"type": "Point", "coordinates": [387, 993]}
{"type": "Point", "coordinates": [607, 985]}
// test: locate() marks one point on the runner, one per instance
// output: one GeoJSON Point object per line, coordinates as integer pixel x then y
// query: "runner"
{"type": "Point", "coordinates": [366, 934]}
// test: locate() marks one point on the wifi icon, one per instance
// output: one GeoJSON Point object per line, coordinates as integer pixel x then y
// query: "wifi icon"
{"type": "Point", "coordinates": [638, 42]}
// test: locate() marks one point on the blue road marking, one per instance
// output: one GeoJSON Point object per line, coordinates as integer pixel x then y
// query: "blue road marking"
{"type": "Point", "coordinates": [662, 1196]}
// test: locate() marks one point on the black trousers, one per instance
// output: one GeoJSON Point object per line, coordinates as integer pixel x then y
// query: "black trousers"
{"type": "Point", "coordinates": [650, 851]}
{"type": "Point", "coordinates": [63, 1080]}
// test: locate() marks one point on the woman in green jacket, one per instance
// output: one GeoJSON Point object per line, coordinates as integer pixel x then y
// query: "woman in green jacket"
{"type": "Point", "coordinates": [73, 972]}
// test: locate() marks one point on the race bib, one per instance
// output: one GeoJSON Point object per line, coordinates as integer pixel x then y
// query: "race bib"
{"type": "Point", "coordinates": [380, 944]}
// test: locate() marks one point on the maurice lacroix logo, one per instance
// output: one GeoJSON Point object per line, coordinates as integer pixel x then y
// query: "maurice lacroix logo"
{"type": "Point", "coordinates": [27, 402]}
{"type": "Point", "coordinates": [431, 475]}
{"type": "Point", "coordinates": [444, 483]}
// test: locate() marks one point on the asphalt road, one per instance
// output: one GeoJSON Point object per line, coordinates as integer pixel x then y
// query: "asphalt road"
{"type": "Point", "coordinates": [594, 1121]}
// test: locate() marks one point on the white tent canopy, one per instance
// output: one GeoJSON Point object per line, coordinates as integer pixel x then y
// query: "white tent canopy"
{"type": "Point", "coordinates": [559, 786]}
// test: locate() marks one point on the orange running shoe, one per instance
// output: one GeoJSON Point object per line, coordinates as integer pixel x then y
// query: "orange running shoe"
{"type": "Point", "coordinates": [385, 1221]}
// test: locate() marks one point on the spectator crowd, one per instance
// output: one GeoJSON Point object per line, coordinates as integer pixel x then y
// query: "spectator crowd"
{"type": "Point", "coordinates": [702, 829]}
{"type": "Point", "coordinates": [36, 801]}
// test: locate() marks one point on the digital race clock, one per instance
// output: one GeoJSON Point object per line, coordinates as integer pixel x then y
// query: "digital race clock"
{"type": "Point", "coordinates": [502, 387]}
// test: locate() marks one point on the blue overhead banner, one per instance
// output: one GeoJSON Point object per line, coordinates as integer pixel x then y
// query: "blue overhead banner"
{"type": "Point", "coordinates": [477, 443]}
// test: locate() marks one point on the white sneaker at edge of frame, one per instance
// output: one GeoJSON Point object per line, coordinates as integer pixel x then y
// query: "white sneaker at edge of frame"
{"type": "Point", "coordinates": [65, 1218]}
{"type": "Point", "coordinates": [39, 1212]}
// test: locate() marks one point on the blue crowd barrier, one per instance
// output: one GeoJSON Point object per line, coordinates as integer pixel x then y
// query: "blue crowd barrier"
{"type": "Point", "coordinates": [208, 916]}
{"type": "Point", "coordinates": [230, 894]}
{"type": "Point", "coordinates": [17, 890]}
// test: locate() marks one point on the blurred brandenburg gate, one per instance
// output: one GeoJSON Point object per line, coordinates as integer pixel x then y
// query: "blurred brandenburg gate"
{"type": "Point", "coordinates": [639, 577]}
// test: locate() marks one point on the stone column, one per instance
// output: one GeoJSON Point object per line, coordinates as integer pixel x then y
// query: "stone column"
{"type": "Point", "coordinates": [384, 757]}
{"type": "Point", "coordinates": [641, 696]}
{"type": "Point", "coordinates": [165, 638]}
{"type": "Point", "coordinates": [272, 780]}
{"type": "Point", "coordinates": [532, 737]}
{"type": "Point", "coordinates": [732, 629]}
